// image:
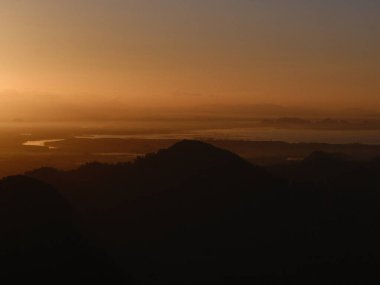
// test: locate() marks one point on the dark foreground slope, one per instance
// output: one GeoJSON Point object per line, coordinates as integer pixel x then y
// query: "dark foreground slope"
{"type": "Point", "coordinates": [196, 214]}
{"type": "Point", "coordinates": [39, 242]}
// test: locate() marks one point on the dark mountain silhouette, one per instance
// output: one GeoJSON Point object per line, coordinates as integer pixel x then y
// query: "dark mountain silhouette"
{"type": "Point", "coordinates": [189, 192]}
{"type": "Point", "coordinates": [338, 199]}
{"type": "Point", "coordinates": [197, 214]}
{"type": "Point", "coordinates": [327, 156]}
{"type": "Point", "coordinates": [38, 240]}
{"type": "Point", "coordinates": [317, 167]}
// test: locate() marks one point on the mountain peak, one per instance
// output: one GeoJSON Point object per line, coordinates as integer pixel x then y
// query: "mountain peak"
{"type": "Point", "coordinates": [193, 145]}
{"type": "Point", "coordinates": [194, 150]}
{"type": "Point", "coordinates": [189, 156]}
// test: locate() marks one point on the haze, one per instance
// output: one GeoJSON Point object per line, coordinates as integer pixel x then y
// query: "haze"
{"type": "Point", "coordinates": [97, 56]}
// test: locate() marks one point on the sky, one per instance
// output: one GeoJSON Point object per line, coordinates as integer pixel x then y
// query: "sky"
{"type": "Point", "coordinates": [162, 53]}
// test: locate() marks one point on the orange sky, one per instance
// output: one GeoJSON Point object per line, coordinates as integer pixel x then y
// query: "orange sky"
{"type": "Point", "coordinates": [190, 52]}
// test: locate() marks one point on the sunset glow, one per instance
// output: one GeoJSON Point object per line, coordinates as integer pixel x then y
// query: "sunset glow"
{"type": "Point", "coordinates": [170, 53]}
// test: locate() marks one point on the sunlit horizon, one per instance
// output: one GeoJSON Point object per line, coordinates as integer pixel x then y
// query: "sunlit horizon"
{"type": "Point", "coordinates": [162, 54]}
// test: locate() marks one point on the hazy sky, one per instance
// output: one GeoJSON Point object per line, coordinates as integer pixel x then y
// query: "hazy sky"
{"type": "Point", "coordinates": [167, 52]}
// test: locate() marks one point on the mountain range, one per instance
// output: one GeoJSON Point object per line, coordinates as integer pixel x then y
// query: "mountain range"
{"type": "Point", "coordinates": [195, 214]}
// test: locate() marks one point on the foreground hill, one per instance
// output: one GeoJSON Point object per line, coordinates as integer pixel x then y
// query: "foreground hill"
{"type": "Point", "coordinates": [39, 241]}
{"type": "Point", "coordinates": [194, 213]}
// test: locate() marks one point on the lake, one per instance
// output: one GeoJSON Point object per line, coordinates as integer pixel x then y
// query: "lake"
{"type": "Point", "coordinates": [247, 134]}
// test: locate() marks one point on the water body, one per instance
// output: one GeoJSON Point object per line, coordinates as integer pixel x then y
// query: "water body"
{"type": "Point", "coordinates": [246, 134]}
{"type": "Point", "coordinates": [42, 143]}
{"type": "Point", "coordinates": [259, 134]}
